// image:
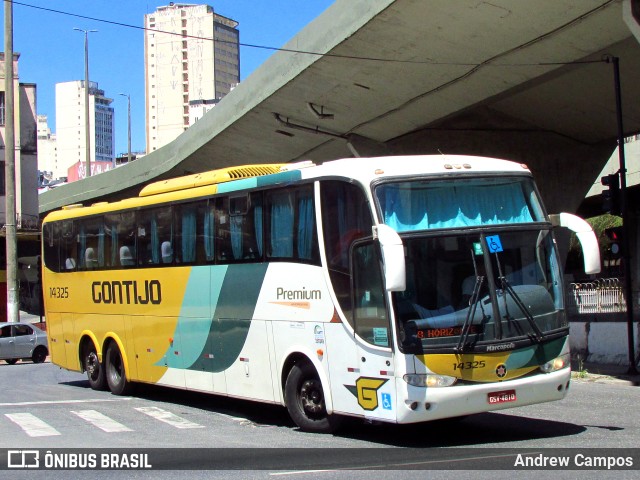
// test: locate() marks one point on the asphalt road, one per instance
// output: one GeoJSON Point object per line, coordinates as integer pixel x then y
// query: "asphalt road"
{"type": "Point", "coordinates": [44, 407]}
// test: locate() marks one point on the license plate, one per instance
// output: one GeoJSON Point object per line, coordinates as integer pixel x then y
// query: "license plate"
{"type": "Point", "coordinates": [504, 396]}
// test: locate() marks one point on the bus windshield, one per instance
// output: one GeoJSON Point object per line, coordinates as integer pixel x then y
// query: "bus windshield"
{"type": "Point", "coordinates": [468, 289]}
{"type": "Point", "coordinates": [481, 267]}
{"type": "Point", "coordinates": [461, 203]}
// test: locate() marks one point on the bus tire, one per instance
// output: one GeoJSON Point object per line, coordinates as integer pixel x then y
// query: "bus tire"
{"type": "Point", "coordinates": [304, 398]}
{"type": "Point", "coordinates": [95, 370]}
{"type": "Point", "coordinates": [114, 371]}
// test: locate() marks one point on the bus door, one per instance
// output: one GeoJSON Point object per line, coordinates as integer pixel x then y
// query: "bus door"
{"type": "Point", "coordinates": [375, 385]}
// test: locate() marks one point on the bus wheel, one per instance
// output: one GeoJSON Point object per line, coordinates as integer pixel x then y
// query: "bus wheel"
{"type": "Point", "coordinates": [94, 369]}
{"type": "Point", "coordinates": [114, 366]}
{"type": "Point", "coordinates": [304, 398]}
{"type": "Point", "coordinates": [12, 361]}
{"type": "Point", "coordinates": [39, 355]}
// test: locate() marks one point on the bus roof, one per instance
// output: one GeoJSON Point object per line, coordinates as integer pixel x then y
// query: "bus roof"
{"type": "Point", "coordinates": [368, 169]}
{"type": "Point", "coordinates": [231, 179]}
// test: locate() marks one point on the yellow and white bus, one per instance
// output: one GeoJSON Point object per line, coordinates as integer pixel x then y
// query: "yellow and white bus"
{"type": "Point", "coordinates": [396, 289]}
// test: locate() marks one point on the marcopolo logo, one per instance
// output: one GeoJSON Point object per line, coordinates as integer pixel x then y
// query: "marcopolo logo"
{"type": "Point", "coordinates": [127, 292]}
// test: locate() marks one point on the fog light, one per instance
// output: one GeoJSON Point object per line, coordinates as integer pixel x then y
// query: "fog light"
{"type": "Point", "coordinates": [413, 405]}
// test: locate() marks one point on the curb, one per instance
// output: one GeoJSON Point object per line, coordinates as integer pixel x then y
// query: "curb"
{"type": "Point", "coordinates": [586, 377]}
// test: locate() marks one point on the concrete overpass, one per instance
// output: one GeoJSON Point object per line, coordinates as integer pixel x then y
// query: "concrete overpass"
{"type": "Point", "coordinates": [518, 80]}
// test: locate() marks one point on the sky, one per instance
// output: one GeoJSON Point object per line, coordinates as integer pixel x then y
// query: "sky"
{"type": "Point", "coordinates": [52, 52]}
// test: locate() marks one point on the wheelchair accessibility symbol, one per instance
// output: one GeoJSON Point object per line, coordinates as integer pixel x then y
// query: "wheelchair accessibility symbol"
{"type": "Point", "coordinates": [386, 401]}
{"type": "Point", "coordinates": [494, 244]}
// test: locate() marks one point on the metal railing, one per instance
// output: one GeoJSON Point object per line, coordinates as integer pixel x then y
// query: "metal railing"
{"type": "Point", "coordinates": [604, 295]}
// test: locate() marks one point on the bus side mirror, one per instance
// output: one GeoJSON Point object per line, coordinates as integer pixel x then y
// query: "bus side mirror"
{"type": "Point", "coordinates": [586, 237]}
{"type": "Point", "coordinates": [392, 258]}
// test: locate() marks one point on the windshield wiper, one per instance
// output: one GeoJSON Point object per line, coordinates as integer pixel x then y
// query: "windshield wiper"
{"type": "Point", "coordinates": [471, 312]}
{"type": "Point", "coordinates": [506, 286]}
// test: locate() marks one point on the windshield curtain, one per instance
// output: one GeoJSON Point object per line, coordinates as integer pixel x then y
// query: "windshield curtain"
{"type": "Point", "coordinates": [479, 288]}
{"type": "Point", "coordinates": [429, 204]}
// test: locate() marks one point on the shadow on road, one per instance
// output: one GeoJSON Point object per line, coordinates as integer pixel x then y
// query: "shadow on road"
{"type": "Point", "coordinates": [475, 430]}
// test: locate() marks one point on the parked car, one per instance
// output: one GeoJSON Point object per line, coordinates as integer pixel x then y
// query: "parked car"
{"type": "Point", "coordinates": [22, 341]}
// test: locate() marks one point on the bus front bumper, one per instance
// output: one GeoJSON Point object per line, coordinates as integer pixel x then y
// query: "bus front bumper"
{"type": "Point", "coordinates": [420, 404]}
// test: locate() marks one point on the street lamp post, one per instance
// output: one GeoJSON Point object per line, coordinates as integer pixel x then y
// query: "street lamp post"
{"type": "Point", "coordinates": [86, 101]}
{"type": "Point", "coordinates": [128, 125]}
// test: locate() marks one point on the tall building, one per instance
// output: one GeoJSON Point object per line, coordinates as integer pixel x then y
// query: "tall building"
{"type": "Point", "coordinates": [26, 156]}
{"type": "Point", "coordinates": [192, 60]}
{"type": "Point", "coordinates": [70, 124]}
{"type": "Point", "coordinates": [48, 150]}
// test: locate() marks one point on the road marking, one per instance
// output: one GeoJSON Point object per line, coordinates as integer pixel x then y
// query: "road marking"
{"type": "Point", "coordinates": [56, 402]}
{"type": "Point", "coordinates": [299, 472]}
{"type": "Point", "coordinates": [101, 421]}
{"type": "Point", "coordinates": [168, 417]}
{"type": "Point", "coordinates": [32, 425]}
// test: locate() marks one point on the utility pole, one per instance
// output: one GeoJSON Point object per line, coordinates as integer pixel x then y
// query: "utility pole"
{"type": "Point", "coordinates": [13, 313]}
{"type": "Point", "coordinates": [624, 207]}
{"type": "Point", "coordinates": [87, 124]}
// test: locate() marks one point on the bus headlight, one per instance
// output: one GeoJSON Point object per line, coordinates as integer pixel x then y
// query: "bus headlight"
{"type": "Point", "coordinates": [556, 364]}
{"type": "Point", "coordinates": [429, 380]}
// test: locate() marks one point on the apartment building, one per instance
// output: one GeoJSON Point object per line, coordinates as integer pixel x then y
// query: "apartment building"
{"type": "Point", "coordinates": [192, 60]}
{"type": "Point", "coordinates": [48, 149]}
{"type": "Point", "coordinates": [26, 156]}
{"type": "Point", "coordinates": [71, 125]}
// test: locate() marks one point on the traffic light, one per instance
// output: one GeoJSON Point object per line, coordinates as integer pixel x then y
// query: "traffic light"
{"type": "Point", "coordinates": [614, 234]}
{"type": "Point", "coordinates": [611, 195]}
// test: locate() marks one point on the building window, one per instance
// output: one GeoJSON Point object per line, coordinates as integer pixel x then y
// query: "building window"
{"type": "Point", "coordinates": [2, 123]}
{"type": "Point", "coordinates": [2, 193]}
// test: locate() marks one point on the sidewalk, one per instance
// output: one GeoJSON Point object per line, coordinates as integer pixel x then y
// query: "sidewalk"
{"type": "Point", "coordinates": [29, 318]}
{"type": "Point", "coordinates": [594, 372]}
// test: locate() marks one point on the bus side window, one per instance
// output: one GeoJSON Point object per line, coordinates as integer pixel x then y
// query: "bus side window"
{"type": "Point", "coordinates": [345, 218]}
{"type": "Point", "coordinates": [122, 227]}
{"type": "Point", "coordinates": [188, 246]}
{"type": "Point", "coordinates": [92, 247]}
{"type": "Point", "coordinates": [222, 231]}
{"type": "Point", "coordinates": [370, 312]}
{"type": "Point", "coordinates": [69, 245]}
{"type": "Point", "coordinates": [209, 228]}
{"type": "Point", "coordinates": [290, 224]}
{"type": "Point", "coordinates": [154, 229]}
{"type": "Point", "coordinates": [51, 246]}
{"type": "Point", "coordinates": [280, 224]}
{"type": "Point", "coordinates": [252, 229]}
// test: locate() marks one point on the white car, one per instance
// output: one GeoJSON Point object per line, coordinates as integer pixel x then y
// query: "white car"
{"type": "Point", "coordinates": [22, 341]}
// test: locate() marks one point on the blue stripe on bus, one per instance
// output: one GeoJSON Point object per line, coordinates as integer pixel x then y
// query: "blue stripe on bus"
{"type": "Point", "coordinates": [192, 331]}
{"type": "Point", "coordinates": [248, 183]}
{"type": "Point", "coordinates": [243, 184]}
{"type": "Point", "coordinates": [212, 343]}
{"type": "Point", "coordinates": [535, 355]}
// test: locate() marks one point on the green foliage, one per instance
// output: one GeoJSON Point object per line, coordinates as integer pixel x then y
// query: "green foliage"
{"type": "Point", "coordinates": [575, 259]}
{"type": "Point", "coordinates": [599, 224]}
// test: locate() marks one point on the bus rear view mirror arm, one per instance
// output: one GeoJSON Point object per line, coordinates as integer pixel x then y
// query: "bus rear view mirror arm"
{"type": "Point", "coordinates": [586, 237]}
{"type": "Point", "coordinates": [392, 257]}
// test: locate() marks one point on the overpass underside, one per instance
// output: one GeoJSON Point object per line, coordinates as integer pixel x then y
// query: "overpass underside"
{"type": "Point", "coordinates": [526, 81]}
